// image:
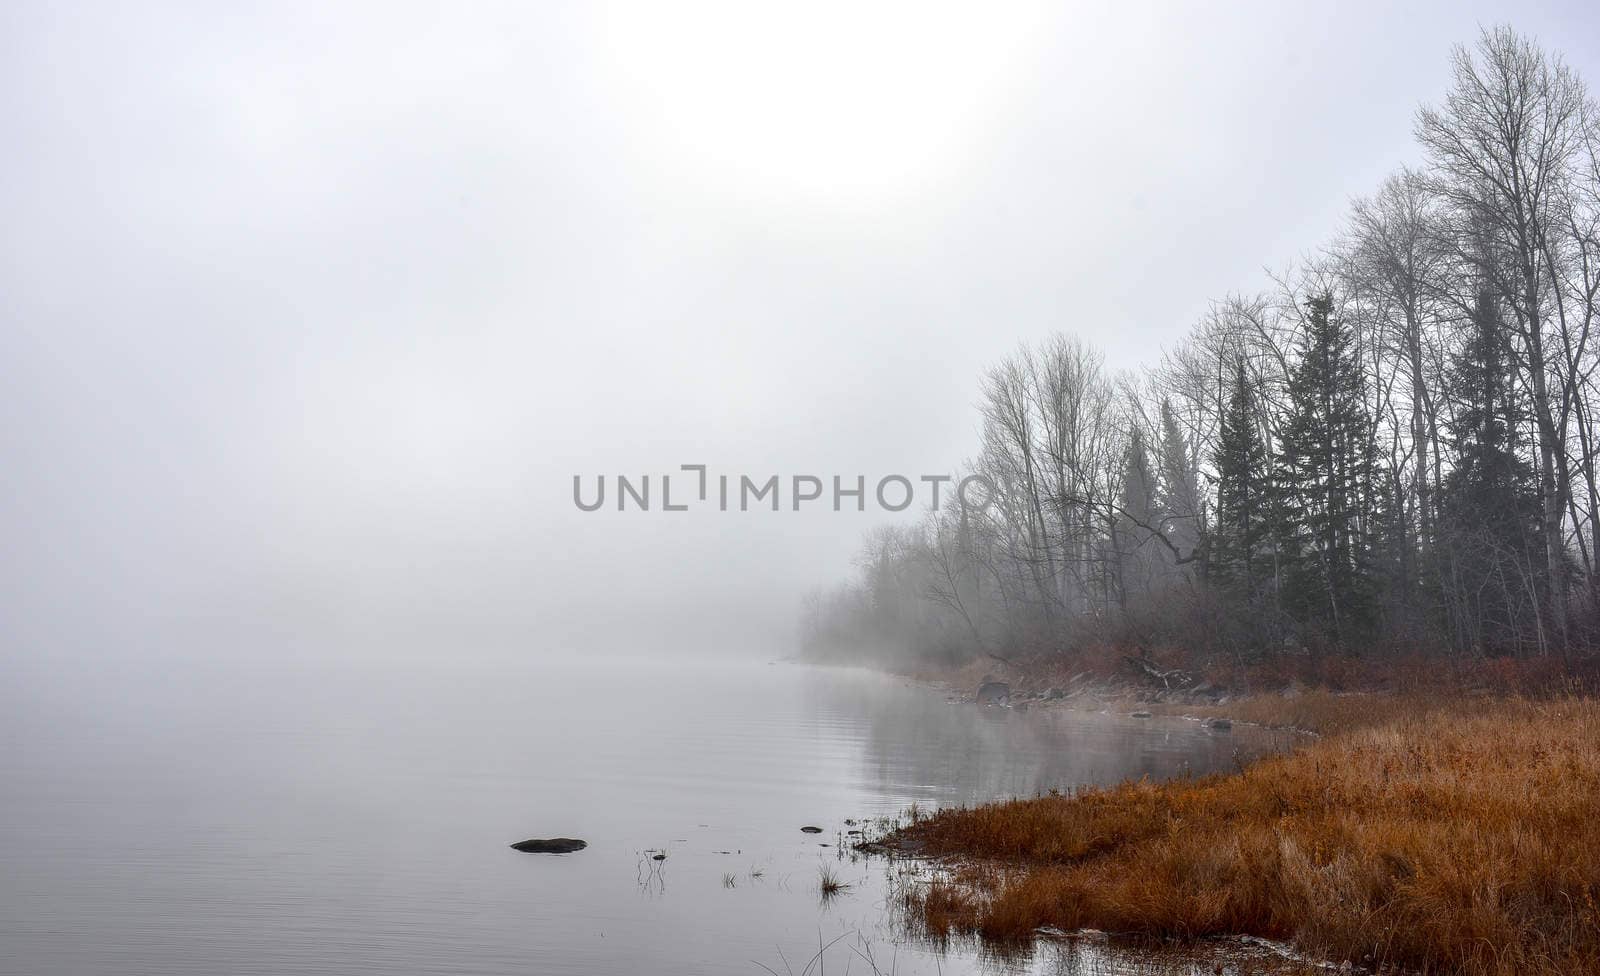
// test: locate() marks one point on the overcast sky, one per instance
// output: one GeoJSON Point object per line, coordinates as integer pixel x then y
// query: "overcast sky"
{"type": "Point", "coordinates": [310, 315]}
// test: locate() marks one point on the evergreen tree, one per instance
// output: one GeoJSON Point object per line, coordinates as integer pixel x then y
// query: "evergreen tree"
{"type": "Point", "coordinates": [1141, 558]}
{"type": "Point", "coordinates": [1239, 560]}
{"type": "Point", "coordinates": [1490, 508]}
{"type": "Point", "coordinates": [1326, 466]}
{"type": "Point", "coordinates": [1180, 486]}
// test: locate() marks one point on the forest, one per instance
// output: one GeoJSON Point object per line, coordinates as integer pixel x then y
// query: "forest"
{"type": "Point", "coordinates": [1390, 451]}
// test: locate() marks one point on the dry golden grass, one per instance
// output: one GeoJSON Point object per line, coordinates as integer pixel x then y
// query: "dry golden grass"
{"type": "Point", "coordinates": [1463, 839]}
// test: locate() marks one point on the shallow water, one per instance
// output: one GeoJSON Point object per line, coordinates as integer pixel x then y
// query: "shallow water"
{"type": "Point", "coordinates": [303, 819]}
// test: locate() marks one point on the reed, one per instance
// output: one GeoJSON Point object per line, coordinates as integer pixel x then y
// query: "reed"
{"type": "Point", "coordinates": [829, 881]}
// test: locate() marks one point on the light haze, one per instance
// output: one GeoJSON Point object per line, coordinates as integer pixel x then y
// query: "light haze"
{"type": "Point", "coordinates": [311, 315]}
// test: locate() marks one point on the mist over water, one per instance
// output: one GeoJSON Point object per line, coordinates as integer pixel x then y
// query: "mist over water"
{"type": "Point", "coordinates": [311, 314]}
{"type": "Point", "coordinates": [349, 818]}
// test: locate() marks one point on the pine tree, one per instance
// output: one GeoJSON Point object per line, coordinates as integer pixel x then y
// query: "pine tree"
{"type": "Point", "coordinates": [1326, 466]}
{"type": "Point", "coordinates": [1239, 561]}
{"type": "Point", "coordinates": [1490, 510]}
{"type": "Point", "coordinates": [1180, 486]}
{"type": "Point", "coordinates": [1141, 558]}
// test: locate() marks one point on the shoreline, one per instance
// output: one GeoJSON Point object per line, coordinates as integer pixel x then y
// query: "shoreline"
{"type": "Point", "coordinates": [1407, 807]}
{"type": "Point", "coordinates": [1299, 710]}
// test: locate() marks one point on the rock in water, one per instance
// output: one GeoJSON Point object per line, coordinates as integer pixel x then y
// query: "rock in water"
{"type": "Point", "coordinates": [1138, 714]}
{"type": "Point", "coordinates": [551, 845]}
{"type": "Point", "coordinates": [993, 691]}
{"type": "Point", "coordinates": [811, 830]}
{"type": "Point", "coordinates": [1221, 724]}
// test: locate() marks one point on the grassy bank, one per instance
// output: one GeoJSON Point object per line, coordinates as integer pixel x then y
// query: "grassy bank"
{"type": "Point", "coordinates": [1459, 838]}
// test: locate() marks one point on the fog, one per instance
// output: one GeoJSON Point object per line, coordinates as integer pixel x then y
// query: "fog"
{"type": "Point", "coordinates": [310, 317]}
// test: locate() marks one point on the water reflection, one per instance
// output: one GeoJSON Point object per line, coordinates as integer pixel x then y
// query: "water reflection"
{"type": "Point", "coordinates": [919, 745]}
{"type": "Point", "coordinates": [312, 819]}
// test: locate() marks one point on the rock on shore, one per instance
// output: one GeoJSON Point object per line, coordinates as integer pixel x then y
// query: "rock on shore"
{"type": "Point", "coordinates": [993, 691]}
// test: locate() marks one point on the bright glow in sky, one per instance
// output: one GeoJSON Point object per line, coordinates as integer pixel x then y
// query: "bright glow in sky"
{"type": "Point", "coordinates": [834, 100]}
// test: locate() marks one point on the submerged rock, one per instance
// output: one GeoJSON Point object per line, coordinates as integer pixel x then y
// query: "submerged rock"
{"type": "Point", "coordinates": [551, 845]}
{"type": "Point", "coordinates": [1138, 714]}
{"type": "Point", "coordinates": [993, 691]}
{"type": "Point", "coordinates": [1221, 724]}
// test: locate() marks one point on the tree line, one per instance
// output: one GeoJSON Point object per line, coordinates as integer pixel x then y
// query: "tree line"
{"type": "Point", "coordinates": [1392, 449]}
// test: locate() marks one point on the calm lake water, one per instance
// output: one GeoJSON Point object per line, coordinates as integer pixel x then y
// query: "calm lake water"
{"type": "Point", "coordinates": [296, 819]}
